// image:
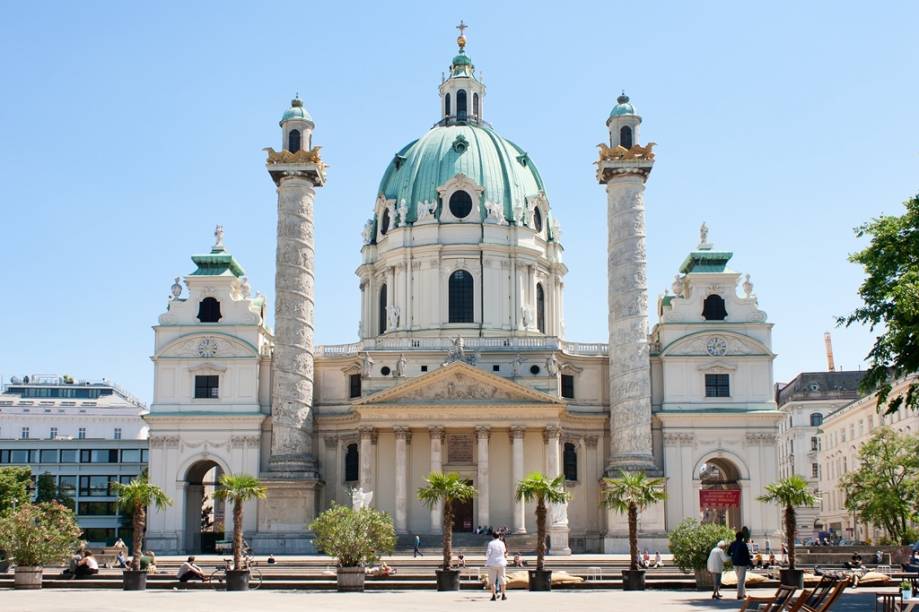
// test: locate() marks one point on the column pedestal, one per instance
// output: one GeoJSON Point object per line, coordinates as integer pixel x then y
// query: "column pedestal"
{"type": "Point", "coordinates": [284, 517]}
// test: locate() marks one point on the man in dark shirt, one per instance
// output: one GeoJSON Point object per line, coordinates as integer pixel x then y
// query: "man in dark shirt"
{"type": "Point", "coordinates": [740, 558]}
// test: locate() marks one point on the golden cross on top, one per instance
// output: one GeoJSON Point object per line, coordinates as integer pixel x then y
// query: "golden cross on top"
{"type": "Point", "coordinates": [462, 28]}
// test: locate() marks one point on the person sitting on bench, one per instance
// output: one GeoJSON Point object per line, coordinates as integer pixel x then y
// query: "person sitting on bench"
{"type": "Point", "coordinates": [87, 566]}
{"type": "Point", "coordinates": [190, 571]}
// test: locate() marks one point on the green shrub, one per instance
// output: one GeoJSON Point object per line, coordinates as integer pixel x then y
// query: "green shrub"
{"type": "Point", "coordinates": [692, 541]}
{"type": "Point", "coordinates": [354, 537]}
{"type": "Point", "coordinates": [39, 534]}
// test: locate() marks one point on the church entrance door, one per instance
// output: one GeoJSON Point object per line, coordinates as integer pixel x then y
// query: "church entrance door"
{"type": "Point", "coordinates": [462, 515]}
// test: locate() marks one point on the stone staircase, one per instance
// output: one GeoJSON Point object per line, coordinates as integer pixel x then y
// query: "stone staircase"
{"type": "Point", "coordinates": [466, 543]}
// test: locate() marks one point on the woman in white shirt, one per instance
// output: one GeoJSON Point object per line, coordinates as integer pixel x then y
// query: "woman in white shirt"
{"type": "Point", "coordinates": [715, 565]}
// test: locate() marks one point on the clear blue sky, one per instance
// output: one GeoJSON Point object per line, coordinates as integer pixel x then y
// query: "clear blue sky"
{"type": "Point", "coordinates": [128, 130]}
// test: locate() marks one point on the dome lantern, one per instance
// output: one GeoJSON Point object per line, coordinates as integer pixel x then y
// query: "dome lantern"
{"type": "Point", "coordinates": [296, 127]}
{"type": "Point", "coordinates": [462, 94]}
{"type": "Point", "coordinates": [623, 123]}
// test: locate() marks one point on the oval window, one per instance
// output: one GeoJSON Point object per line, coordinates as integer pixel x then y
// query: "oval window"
{"type": "Point", "coordinates": [460, 204]}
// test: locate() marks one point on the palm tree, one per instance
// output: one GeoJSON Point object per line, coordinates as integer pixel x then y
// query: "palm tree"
{"type": "Point", "coordinates": [789, 493]}
{"type": "Point", "coordinates": [239, 488]}
{"type": "Point", "coordinates": [446, 488]}
{"type": "Point", "coordinates": [630, 494]}
{"type": "Point", "coordinates": [135, 497]}
{"type": "Point", "coordinates": [536, 487]}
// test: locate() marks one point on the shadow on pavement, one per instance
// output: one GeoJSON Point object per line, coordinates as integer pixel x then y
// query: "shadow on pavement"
{"type": "Point", "coordinates": [849, 602]}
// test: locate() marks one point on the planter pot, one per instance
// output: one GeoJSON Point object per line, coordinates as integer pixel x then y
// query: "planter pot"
{"type": "Point", "coordinates": [134, 581]}
{"type": "Point", "coordinates": [633, 580]}
{"type": "Point", "coordinates": [237, 580]}
{"type": "Point", "coordinates": [540, 580]}
{"type": "Point", "coordinates": [27, 577]}
{"type": "Point", "coordinates": [906, 594]}
{"type": "Point", "coordinates": [704, 580]}
{"type": "Point", "coordinates": [448, 580]}
{"type": "Point", "coordinates": [792, 577]}
{"type": "Point", "coordinates": [350, 579]}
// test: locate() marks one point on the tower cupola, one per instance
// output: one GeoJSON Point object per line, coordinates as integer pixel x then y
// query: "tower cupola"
{"type": "Point", "coordinates": [296, 127]}
{"type": "Point", "coordinates": [462, 94]}
{"type": "Point", "coordinates": [623, 123]}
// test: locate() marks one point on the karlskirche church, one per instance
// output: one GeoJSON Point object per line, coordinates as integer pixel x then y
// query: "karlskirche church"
{"type": "Point", "coordinates": [462, 363]}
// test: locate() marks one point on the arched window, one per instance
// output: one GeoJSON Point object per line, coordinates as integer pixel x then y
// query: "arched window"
{"type": "Point", "coordinates": [352, 464]}
{"type": "Point", "coordinates": [447, 105]}
{"type": "Point", "coordinates": [461, 297]}
{"type": "Point", "coordinates": [293, 141]}
{"type": "Point", "coordinates": [540, 308]}
{"type": "Point", "coordinates": [384, 221]}
{"type": "Point", "coordinates": [625, 136]}
{"type": "Point", "coordinates": [537, 220]}
{"type": "Point", "coordinates": [816, 419]}
{"type": "Point", "coordinates": [475, 105]}
{"type": "Point", "coordinates": [713, 308]}
{"type": "Point", "coordinates": [381, 315]}
{"type": "Point", "coordinates": [461, 105]}
{"type": "Point", "coordinates": [209, 310]}
{"type": "Point", "coordinates": [460, 204]}
{"type": "Point", "coordinates": [570, 461]}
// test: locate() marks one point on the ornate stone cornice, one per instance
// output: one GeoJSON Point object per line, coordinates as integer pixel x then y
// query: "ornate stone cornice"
{"type": "Point", "coordinates": [304, 164]}
{"type": "Point", "coordinates": [760, 437]}
{"type": "Point", "coordinates": [164, 441]}
{"type": "Point", "coordinates": [678, 438]}
{"type": "Point", "coordinates": [244, 441]}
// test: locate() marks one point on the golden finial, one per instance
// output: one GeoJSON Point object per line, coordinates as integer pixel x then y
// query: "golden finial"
{"type": "Point", "coordinates": [461, 39]}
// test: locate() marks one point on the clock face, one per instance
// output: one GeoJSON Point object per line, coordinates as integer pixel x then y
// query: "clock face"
{"type": "Point", "coordinates": [716, 346]}
{"type": "Point", "coordinates": [207, 347]}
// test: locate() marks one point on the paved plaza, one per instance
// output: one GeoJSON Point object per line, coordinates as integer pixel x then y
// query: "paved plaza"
{"type": "Point", "coordinates": [57, 600]}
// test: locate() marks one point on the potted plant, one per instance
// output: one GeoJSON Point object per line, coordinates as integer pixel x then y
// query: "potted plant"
{"type": "Point", "coordinates": [691, 542]}
{"type": "Point", "coordinates": [239, 488]}
{"type": "Point", "coordinates": [446, 489]}
{"type": "Point", "coordinates": [906, 590]}
{"type": "Point", "coordinates": [35, 535]}
{"type": "Point", "coordinates": [790, 493]}
{"type": "Point", "coordinates": [536, 487]}
{"type": "Point", "coordinates": [356, 538]}
{"type": "Point", "coordinates": [629, 494]}
{"type": "Point", "coordinates": [14, 491]}
{"type": "Point", "coordinates": [135, 497]}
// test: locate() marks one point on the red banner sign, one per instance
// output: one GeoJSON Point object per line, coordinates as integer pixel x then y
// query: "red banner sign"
{"type": "Point", "coordinates": [719, 498]}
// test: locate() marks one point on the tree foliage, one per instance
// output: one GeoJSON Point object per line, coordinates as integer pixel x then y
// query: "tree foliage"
{"type": "Point", "coordinates": [630, 494]}
{"type": "Point", "coordinates": [136, 496]}
{"type": "Point", "coordinates": [38, 534]}
{"type": "Point", "coordinates": [14, 486]}
{"type": "Point", "coordinates": [45, 488]}
{"type": "Point", "coordinates": [692, 541]}
{"type": "Point", "coordinates": [446, 489]}
{"type": "Point", "coordinates": [790, 493]}
{"type": "Point", "coordinates": [890, 296]}
{"type": "Point", "coordinates": [239, 488]}
{"type": "Point", "coordinates": [884, 490]}
{"type": "Point", "coordinates": [536, 487]}
{"type": "Point", "coordinates": [354, 537]}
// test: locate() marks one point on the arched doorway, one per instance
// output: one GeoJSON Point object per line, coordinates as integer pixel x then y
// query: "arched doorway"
{"type": "Point", "coordinates": [204, 515]}
{"type": "Point", "coordinates": [719, 495]}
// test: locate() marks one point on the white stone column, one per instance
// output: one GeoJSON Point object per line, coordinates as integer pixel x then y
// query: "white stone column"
{"type": "Point", "coordinates": [366, 458]}
{"type": "Point", "coordinates": [551, 436]}
{"type": "Point", "coordinates": [401, 514]}
{"type": "Point", "coordinates": [516, 434]}
{"type": "Point", "coordinates": [481, 433]}
{"type": "Point", "coordinates": [629, 364]}
{"type": "Point", "coordinates": [437, 439]}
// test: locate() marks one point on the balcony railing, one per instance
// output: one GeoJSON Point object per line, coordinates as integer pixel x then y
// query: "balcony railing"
{"type": "Point", "coordinates": [498, 344]}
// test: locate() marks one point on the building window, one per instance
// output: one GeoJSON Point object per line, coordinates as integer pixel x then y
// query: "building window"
{"type": "Point", "coordinates": [568, 386]}
{"type": "Point", "coordinates": [460, 204]}
{"type": "Point", "coordinates": [99, 456]}
{"type": "Point", "coordinates": [713, 310]}
{"type": "Point", "coordinates": [461, 105]}
{"type": "Point", "coordinates": [570, 461]}
{"type": "Point", "coordinates": [24, 434]}
{"type": "Point", "coordinates": [717, 385]}
{"type": "Point", "coordinates": [540, 308]}
{"type": "Point", "coordinates": [70, 456]}
{"type": "Point", "coordinates": [81, 433]}
{"type": "Point", "coordinates": [461, 297]}
{"type": "Point", "coordinates": [816, 419]}
{"type": "Point", "coordinates": [130, 455]}
{"type": "Point", "coordinates": [381, 306]}
{"type": "Point", "coordinates": [475, 105]}
{"type": "Point", "coordinates": [96, 508]}
{"type": "Point", "coordinates": [352, 464]}
{"type": "Point", "coordinates": [47, 456]}
{"type": "Point", "coordinates": [537, 220]}
{"type": "Point", "coordinates": [384, 221]}
{"type": "Point", "coordinates": [625, 136]}
{"type": "Point", "coordinates": [447, 105]}
{"type": "Point", "coordinates": [209, 310]}
{"type": "Point", "coordinates": [52, 433]}
{"type": "Point", "coordinates": [815, 470]}
{"type": "Point", "coordinates": [813, 443]}
{"type": "Point", "coordinates": [117, 434]}
{"type": "Point", "coordinates": [96, 486]}
{"type": "Point", "coordinates": [354, 385]}
{"type": "Point", "coordinates": [293, 141]}
{"type": "Point", "coordinates": [207, 386]}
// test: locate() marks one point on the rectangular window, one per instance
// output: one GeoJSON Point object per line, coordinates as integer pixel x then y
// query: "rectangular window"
{"type": "Point", "coordinates": [815, 470]}
{"type": "Point", "coordinates": [717, 385]}
{"type": "Point", "coordinates": [52, 433]}
{"type": "Point", "coordinates": [69, 456]}
{"type": "Point", "coordinates": [24, 434]}
{"type": "Point", "coordinates": [354, 382]}
{"type": "Point", "coordinates": [19, 456]}
{"type": "Point", "coordinates": [101, 535]}
{"type": "Point", "coordinates": [117, 435]}
{"type": "Point", "coordinates": [99, 456]}
{"type": "Point", "coordinates": [568, 386]}
{"type": "Point", "coordinates": [143, 455]}
{"type": "Point", "coordinates": [96, 509]}
{"type": "Point", "coordinates": [813, 443]}
{"type": "Point", "coordinates": [96, 486]}
{"type": "Point", "coordinates": [68, 485]}
{"type": "Point", "coordinates": [206, 387]}
{"type": "Point", "coordinates": [130, 455]}
{"type": "Point", "coordinates": [126, 479]}
{"type": "Point", "coordinates": [81, 433]}
{"type": "Point", "coordinates": [47, 456]}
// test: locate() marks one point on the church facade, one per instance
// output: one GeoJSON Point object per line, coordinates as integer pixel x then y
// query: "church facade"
{"type": "Point", "coordinates": [462, 363]}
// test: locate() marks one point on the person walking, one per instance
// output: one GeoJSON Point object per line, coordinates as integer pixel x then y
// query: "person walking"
{"type": "Point", "coordinates": [715, 565]}
{"type": "Point", "coordinates": [740, 558]}
{"type": "Point", "coordinates": [417, 551]}
{"type": "Point", "coordinates": [495, 562]}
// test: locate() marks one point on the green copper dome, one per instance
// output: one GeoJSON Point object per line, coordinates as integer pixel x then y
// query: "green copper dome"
{"type": "Point", "coordinates": [477, 151]}
{"type": "Point", "coordinates": [623, 107]}
{"type": "Point", "coordinates": [296, 111]}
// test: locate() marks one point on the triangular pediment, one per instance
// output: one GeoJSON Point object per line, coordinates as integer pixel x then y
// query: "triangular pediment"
{"type": "Point", "coordinates": [459, 383]}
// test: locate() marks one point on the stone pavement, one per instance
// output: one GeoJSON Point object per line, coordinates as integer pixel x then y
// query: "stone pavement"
{"type": "Point", "coordinates": [58, 600]}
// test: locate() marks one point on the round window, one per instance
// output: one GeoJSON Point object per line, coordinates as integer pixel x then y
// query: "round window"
{"type": "Point", "coordinates": [384, 222]}
{"type": "Point", "coordinates": [534, 370]}
{"type": "Point", "coordinates": [460, 204]}
{"type": "Point", "coordinates": [385, 370]}
{"type": "Point", "coordinates": [537, 220]}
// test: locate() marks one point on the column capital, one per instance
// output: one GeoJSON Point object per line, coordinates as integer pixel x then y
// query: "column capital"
{"type": "Point", "coordinates": [401, 431]}
{"type": "Point", "coordinates": [366, 431]}
{"type": "Point", "coordinates": [331, 441]}
{"type": "Point", "coordinates": [437, 432]}
{"type": "Point", "coordinates": [482, 432]}
{"type": "Point", "coordinates": [516, 432]}
{"type": "Point", "coordinates": [551, 431]}
{"type": "Point", "coordinates": [591, 440]}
